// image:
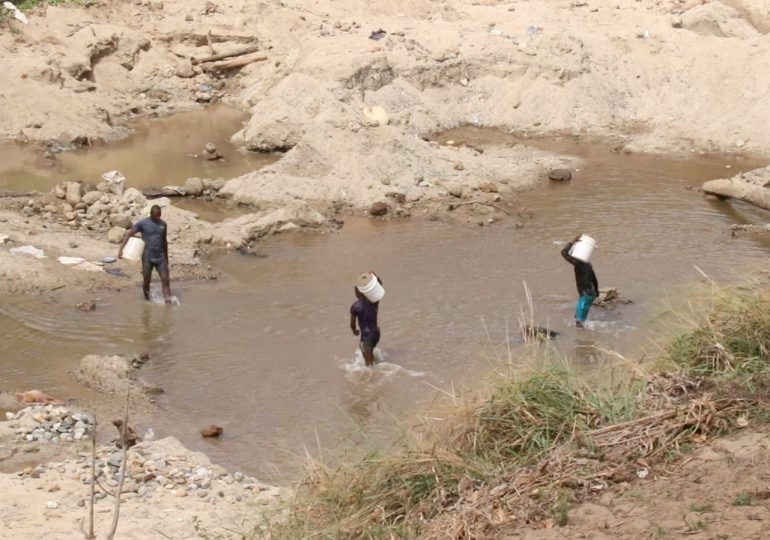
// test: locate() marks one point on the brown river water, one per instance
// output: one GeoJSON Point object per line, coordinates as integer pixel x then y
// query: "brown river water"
{"type": "Point", "coordinates": [266, 351]}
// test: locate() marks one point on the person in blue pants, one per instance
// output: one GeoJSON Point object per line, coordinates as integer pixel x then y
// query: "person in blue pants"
{"type": "Point", "coordinates": [587, 285]}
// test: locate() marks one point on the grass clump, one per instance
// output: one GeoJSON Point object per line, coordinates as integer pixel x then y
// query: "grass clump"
{"type": "Point", "coordinates": [542, 441]}
{"type": "Point", "coordinates": [743, 499]}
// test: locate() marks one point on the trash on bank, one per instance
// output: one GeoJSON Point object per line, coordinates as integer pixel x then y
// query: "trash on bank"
{"type": "Point", "coordinates": [116, 181]}
{"type": "Point", "coordinates": [71, 261]}
{"type": "Point", "coordinates": [17, 14]}
{"type": "Point", "coordinates": [378, 34]}
{"type": "Point", "coordinates": [29, 250]}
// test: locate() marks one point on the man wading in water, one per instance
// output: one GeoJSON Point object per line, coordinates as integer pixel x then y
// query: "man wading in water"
{"type": "Point", "coordinates": [154, 233]}
{"type": "Point", "coordinates": [587, 285]}
{"type": "Point", "coordinates": [366, 313]}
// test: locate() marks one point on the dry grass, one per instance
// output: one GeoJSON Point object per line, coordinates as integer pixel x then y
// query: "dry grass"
{"type": "Point", "coordinates": [544, 440]}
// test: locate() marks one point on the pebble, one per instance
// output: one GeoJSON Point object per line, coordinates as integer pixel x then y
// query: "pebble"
{"type": "Point", "coordinates": [52, 505]}
{"type": "Point", "coordinates": [181, 493]}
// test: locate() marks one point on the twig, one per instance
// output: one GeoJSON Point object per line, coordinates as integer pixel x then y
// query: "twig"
{"type": "Point", "coordinates": [452, 206]}
{"type": "Point", "coordinates": [235, 63]}
{"type": "Point", "coordinates": [223, 56]}
{"type": "Point", "coordinates": [208, 41]}
{"type": "Point", "coordinates": [122, 473]}
{"type": "Point", "coordinates": [91, 535]}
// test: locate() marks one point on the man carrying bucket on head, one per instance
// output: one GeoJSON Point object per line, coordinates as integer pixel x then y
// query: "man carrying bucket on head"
{"type": "Point", "coordinates": [577, 254]}
{"type": "Point", "coordinates": [369, 292]}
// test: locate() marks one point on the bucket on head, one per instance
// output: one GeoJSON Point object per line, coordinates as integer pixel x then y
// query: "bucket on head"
{"type": "Point", "coordinates": [583, 248]}
{"type": "Point", "coordinates": [368, 285]}
{"type": "Point", "coordinates": [134, 249]}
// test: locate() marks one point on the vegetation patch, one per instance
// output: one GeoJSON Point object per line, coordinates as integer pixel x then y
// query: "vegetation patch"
{"type": "Point", "coordinates": [544, 440]}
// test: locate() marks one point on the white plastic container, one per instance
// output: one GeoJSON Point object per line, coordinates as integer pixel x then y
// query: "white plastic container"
{"type": "Point", "coordinates": [134, 249]}
{"type": "Point", "coordinates": [370, 287]}
{"type": "Point", "coordinates": [583, 248]}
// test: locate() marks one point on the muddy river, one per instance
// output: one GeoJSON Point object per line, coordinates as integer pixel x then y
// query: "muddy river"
{"type": "Point", "coordinates": [160, 152]}
{"type": "Point", "coordinates": [266, 352]}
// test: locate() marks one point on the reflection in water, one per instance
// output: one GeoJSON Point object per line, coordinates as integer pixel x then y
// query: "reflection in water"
{"type": "Point", "coordinates": [162, 152]}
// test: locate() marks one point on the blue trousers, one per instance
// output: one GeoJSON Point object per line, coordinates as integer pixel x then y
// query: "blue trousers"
{"type": "Point", "coordinates": [584, 306]}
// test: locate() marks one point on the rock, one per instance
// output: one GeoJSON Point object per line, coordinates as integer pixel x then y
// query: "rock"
{"type": "Point", "coordinates": [560, 175]}
{"type": "Point", "coordinates": [194, 186]}
{"type": "Point", "coordinates": [740, 143]}
{"type": "Point", "coordinates": [212, 431]}
{"type": "Point", "coordinates": [66, 207]}
{"type": "Point", "coordinates": [459, 166]}
{"type": "Point", "coordinates": [185, 69]}
{"type": "Point", "coordinates": [91, 197]}
{"type": "Point", "coordinates": [70, 216]}
{"type": "Point", "coordinates": [377, 115]}
{"type": "Point", "coordinates": [120, 220]}
{"type": "Point", "coordinates": [133, 196]}
{"type": "Point", "coordinates": [52, 505]}
{"type": "Point", "coordinates": [210, 152]}
{"type": "Point", "coordinates": [115, 235]}
{"type": "Point", "coordinates": [456, 190]}
{"type": "Point", "coordinates": [181, 493]}
{"type": "Point", "coordinates": [488, 187]}
{"type": "Point", "coordinates": [203, 97]}
{"type": "Point", "coordinates": [379, 209]}
{"type": "Point", "coordinates": [60, 191]}
{"type": "Point", "coordinates": [87, 305]}
{"type": "Point", "coordinates": [677, 22]}
{"type": "Point", "coordinates": [72, 193]}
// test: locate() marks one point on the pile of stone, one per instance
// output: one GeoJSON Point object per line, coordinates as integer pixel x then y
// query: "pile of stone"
{"type": "Point", "coordinates": [195, 187]}
{"type": "Point", "coordinates": [50, 423]}
{"type": "Point", "coordinates": [160, 469]}
{"type": "Point", "coordinates": [83, 205]}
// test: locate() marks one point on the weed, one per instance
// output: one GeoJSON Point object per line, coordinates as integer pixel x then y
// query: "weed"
{"type": "Point", "coordinates": [743, 499]}
{"type": "Point", "coordinates": [561, 512]}
{"type": "Point", "coordinates": [701, 508]}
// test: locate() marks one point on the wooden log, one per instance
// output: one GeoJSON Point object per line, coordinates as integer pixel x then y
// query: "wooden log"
{"type": "Point", "coordinates": [236, 63]}
{"type": "Point", "coordinates": [223, 56]}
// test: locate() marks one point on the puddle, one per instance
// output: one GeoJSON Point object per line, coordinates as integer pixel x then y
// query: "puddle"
{"type": "Point", "coordinates": [212, 211]}
{"type": "Point", "coordinates": [266, 352]}
{"type": "Point", "coordinates": [160, 153]}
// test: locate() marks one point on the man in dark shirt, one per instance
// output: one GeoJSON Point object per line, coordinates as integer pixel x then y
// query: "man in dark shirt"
{"type": "Point", "coordinates": [587, 285]}
{"type": "Point", "coordinates": [154, 233]}
{"type": "Point", "coordinates": [366, 313]}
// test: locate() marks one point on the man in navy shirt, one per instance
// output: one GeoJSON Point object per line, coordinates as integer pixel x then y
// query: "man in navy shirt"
{"type": "Point", "coordinates": [154, 233]}
{"type": "Point", "coordinates": [365, 312]}
{"type": "Point", "coordinates": [587, 284]}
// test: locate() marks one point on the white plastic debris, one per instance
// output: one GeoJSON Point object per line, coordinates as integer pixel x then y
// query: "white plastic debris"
{"type": "Point", "coordinates": [116, 181]}
{"type": "Point", "coordinates": [17, 14]}
{"type": "Point", "coordinates": [29, 250]}
{"type": "Point", "coordinates": [70, 261]}
{"type": "Point", "coordinates": [643, 473]}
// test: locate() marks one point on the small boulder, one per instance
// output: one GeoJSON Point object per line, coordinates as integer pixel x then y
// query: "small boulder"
{"type": "Point", "coordinates": [120, 220]}
{"type": "Point", "coordinates": [132, 195]}
{"type": "Point", "coordinates": [60, 191]}
{"type": "Point", "coordinates": [91, 197]}
{"type": "Point", "coordinates": [185, 69]}
{"type": "Point", "coordinates": [456, 190]}
{"type": "Point", "coordinates": [115, 235]}
{"type": "Point", "coordinates": [212, 431]}
{"type": "Point", "coordinates": [378, 209]}
{"type": "Point", "coordinates": [377, 115]}
{"type": "Point", "coordinates": [72, 192]}
{"type": "Point", "coordinates": [210, 152]}
{"type": "Point", "coordinates": [194, 186]}
{"type": "Point", "coordinates": [488, 187]}
{"type": "Point", "coordinates": [87, 306]}
{"type": "Point", "coordinates": [560, 175]}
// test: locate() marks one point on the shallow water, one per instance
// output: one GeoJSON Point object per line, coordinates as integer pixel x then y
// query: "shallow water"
{"type": "Point", "coordinates": [266, 352]}
{"type": "Point", "coordinates": [161, 152]}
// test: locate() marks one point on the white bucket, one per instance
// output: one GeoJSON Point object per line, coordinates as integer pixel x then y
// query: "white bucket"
{"type": "Point", "coordinates": [134, 249]}
{"type": "Point", "coordinates": [583, 248]}
{"type": "Point", "coordinates": [370, 287]}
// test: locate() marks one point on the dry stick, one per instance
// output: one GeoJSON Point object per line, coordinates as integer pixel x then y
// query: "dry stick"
{"type": "Point", "coordinates": [234, 64]}
{"type": "Point", "coordinates": [208, 41]}
{"type": "Point", "coordinates": [457, 205]}
{"type": "Point", "coordinates": [223, 56]}
{"type": "Point", "coordinates": [91, 535]}
{"type": "Point", "coordinates": [123, 460]}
